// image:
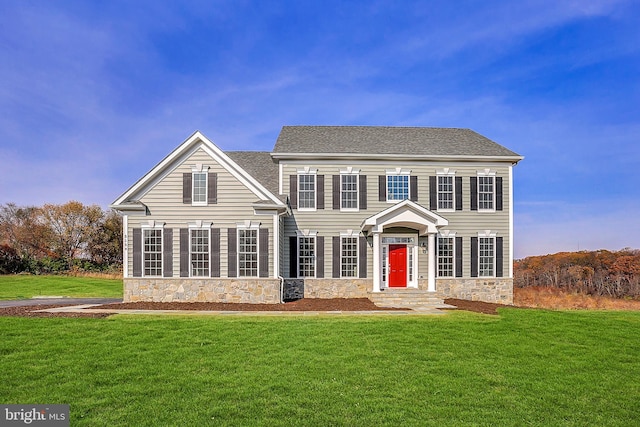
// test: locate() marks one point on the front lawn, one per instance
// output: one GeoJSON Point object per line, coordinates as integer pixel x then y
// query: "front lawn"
{"type": "Point", "coordinates": [27, 286]}
{"type": "Point", "coordinates": [524, 367]}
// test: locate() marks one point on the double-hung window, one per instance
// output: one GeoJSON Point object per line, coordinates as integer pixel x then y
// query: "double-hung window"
{"type": "Point", "coordinates": [445, 256]}
{"type": "Point", "coordinates": [445, 192]}
{"type": "Point", "coordinates": [486, 192]}
{"type": "Point", "coordinates": [199, 180]}
{"type": "Point", "coordinates": [152, 252]}
{"type": "Point", "coordinates": [307, 191]}
{"type": "Point", "coordinates": [349, 191]}
{"type": "Point", "coordinates": [248, 252]}
{"type": "Point", "coordinates": [199, 252]}
{"type": "Point", "coordinates": [306, 256]}
{"type": "Point", "coordinates": [486, 256]}
{"type": "Point", "coordinates": [349, 257]}
{"type": "Point", "coordinates": [397, 187]}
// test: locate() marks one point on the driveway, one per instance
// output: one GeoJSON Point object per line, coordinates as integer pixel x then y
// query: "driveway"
{"type": "Point", "coordinates": [57, 301]}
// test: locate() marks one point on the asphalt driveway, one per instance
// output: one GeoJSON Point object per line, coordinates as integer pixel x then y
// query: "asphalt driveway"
{"type": "Point", "coordinates": [57, 301]}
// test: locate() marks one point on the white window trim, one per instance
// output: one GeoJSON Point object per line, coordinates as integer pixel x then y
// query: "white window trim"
{"type": "Point", "coordinates": [153, 225]}
{"type": "Point", "coordinates": [350, 234]}
{"type": "Point", "coordinates": [306, 171]}
{"type": "Point", "coordinates": [398, 172]}
{"type": "Point", "coordinates": [307, 234]}
{"type": "Point", "coordinates": [351, 171]}
{"type": "Point", "coordinates": [447, 235]}
{"type": "Point", "coordinates": [452, 174]}
{"type": "Point", "coordinates": [248, 225]}
{"type": "Point", "coordinates": [203, 226]}
{"type": "Point", "coordinates": [486, 173]}
{"type": "Point", "coordinates": [487, 234]}
{"type": "Point", "coordinates": [199, 168]}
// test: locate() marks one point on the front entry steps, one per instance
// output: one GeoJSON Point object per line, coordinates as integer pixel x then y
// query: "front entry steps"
{"type": "Point", "coordinates": [415, 299]}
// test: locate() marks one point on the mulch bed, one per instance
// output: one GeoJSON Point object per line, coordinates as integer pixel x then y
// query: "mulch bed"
{"type": "Point", "coordinates": [309, 304]}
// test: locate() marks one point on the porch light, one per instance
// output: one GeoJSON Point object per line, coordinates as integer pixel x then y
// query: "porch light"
{"type": "Point", "coordinates": [423, 245]}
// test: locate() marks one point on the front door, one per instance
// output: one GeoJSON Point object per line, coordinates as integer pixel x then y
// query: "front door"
{"type": "Point", "coordinates": [397, 266]}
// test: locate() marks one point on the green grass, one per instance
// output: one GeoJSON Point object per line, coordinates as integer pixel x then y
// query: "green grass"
{"type": "Point", "coordinates": [524, 367]}
{"type": "Point", "coordinates": [27, 286]}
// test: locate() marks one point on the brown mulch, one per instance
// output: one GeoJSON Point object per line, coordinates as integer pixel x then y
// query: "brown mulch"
{"type": "Point", "coordinates": [307, 304]}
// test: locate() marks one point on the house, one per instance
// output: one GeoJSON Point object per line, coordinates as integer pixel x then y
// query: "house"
{"type": "Point", "coordinates": [331, 212]}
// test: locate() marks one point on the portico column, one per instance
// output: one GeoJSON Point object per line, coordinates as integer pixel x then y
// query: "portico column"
{"type": "Point", "coordinates": [431, 284]}
{"type": "Point", "coordinates": [376, 262]}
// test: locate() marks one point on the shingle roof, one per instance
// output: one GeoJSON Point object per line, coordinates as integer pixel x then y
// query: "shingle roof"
{"type": "Point", "coordinates": [259, 165]}
{"type": "Point", "coordinates": [381, 140]}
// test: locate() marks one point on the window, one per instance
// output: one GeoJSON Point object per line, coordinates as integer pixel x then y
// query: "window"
{"type": "Point", "coordinates": [248, 252]}
{"type": "Point", "coordinates": [153, 252]}
{"type": "Point", "coordinates": [199, 188]}
{"type": "Point", "coordinates": [349, 191]}
{"type": "Point", "coordinates": [445, 192]}
{"type": "Point", "coordinates": [385, 257]}
{"type": "Point", "coordinates": [486, 252]}
{"type": "Point", "coordinates": [485, 193]}
{"type": "Point", "coordinates": [200, 253]}
{"type": "Point", "coordinates": [445, 256]}
{"type": "Point", "coordinates": [397, 187]}
{"type": "Point", "coordinates": [306, 256]}
{"type": "Point", "coordinates": [349, 257]}
{"type": "Point", "coordinates": [306, 191]}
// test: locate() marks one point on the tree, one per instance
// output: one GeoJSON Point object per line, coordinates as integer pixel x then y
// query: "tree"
{"type": "Point", "coordinates": [105, 245]}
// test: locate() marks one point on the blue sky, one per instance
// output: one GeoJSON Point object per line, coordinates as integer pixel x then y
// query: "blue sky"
{"type": "Point", "coordinates": [94, 94]}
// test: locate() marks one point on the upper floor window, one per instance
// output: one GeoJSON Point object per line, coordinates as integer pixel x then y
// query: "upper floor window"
{"type": "Point", "coordinates": [485, 192]}
{"type": "Point", "coordinates": [349, 191]}
{"type": "Point", "coordinates": [248, 252]}
{"type": "Point", "coordinates": [445, 192]}
{"type": "Point", "coordinates": [306, 191]}
{"type": "Point", "coordinates": [199, 252]}
{"type": "Point", "coordinates": [152, 250]}
{"type": "Point", "coordinates": [199, 188]}
{"type": "Point", "coordinates": [397, 187]}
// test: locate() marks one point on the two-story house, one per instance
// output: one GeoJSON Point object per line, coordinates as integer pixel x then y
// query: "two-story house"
{"type": "Point", "coordinates": [331, 212]}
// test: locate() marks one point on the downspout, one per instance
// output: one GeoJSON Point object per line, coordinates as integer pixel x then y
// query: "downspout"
{"type": "Point", "coordinates": [281, 289]}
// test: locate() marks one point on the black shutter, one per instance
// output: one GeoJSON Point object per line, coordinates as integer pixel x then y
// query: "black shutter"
{"type": "Point", "coordinates": [362, 257]}
{"type": "Point", "coordinates": [167, 252]}
{"type": "Point", "coordinates": [263, 248]}
{"type": "Point", "coordinates": [362, 189]}
{"type": "Point", "coordinates": [458, 190]}
{"type": "Point", "coordinates": [293, 256]}
{"type": "Point", "coordinates": [137, 252]}
{"type": "Point", "coordinates": [232, 252]}
{"type": "Point", "coordinates": [184, 252]}
{"type": "Point", "coordinates": [413, 188]}
{"type": "Point", "coordinates": [293, 191]}
{"type": "Point", "coordinates": [433, 193]}
{"type": "Point", "coordinates": [335, 259]}
{"type": "Point", "coordinates": [336, 191]}
{"type": "Point", "coordinates": [186, 188]}
{"type": "Point", "coordinates": [474, 193]}
{"type": "Point", "coordinates": [458, 256]}
{"type": "Point", "coordinates": [382, 188]}
{"type": "Point", "coordinates": [498, 193]}
{"type": "Point", "coordinates": [212, 189]}
{"type": "Point", "coordinates": [320, 192]}
{"type": "Point", "coordinates": [474, 257]}
{"type": "Point", "coordinates": [215, 252]}
{"type": "Point", "coordinates": [320, 257]}
{"type": "Point", "coordinates": [499, 257]}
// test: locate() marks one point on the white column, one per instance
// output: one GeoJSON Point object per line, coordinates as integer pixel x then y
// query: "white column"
{"type": "Point", "coordinates": [376, 262]}
{"type": "Point", "coordinates": [431, 284]}
{"type": "Point", "coordinates": [276, 245]}
{"type": "Point", "coordinates": [125, 246]}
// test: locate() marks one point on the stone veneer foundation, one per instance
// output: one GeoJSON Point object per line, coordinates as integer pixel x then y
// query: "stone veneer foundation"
{"type": "Point", "coordinates": [252, 291]}
{"type": "Point", "coordinates": [496, 290]}
{"type": "Point", "coordinates": [326, 288]}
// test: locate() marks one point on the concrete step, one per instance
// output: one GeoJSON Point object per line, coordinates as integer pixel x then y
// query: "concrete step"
{"type": "Point", "coordinates": [407, 298]}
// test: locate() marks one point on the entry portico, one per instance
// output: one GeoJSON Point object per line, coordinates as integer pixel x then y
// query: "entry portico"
{"type": "Point", "coordinates": [395, 233]}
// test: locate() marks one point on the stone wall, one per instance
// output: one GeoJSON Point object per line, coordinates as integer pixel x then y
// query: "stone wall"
{"type": "Point", "coordinates": [253, 291]}
{"type": "Point", "coordinates": [498, 290]}
{"type": "Point", "coordinates": [337, 288]}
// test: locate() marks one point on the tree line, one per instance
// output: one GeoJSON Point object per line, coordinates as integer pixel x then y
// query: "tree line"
{"type": "Point", "coordinates": [608, 273]}
{"type": "Point", "coordinates": [59, 238]}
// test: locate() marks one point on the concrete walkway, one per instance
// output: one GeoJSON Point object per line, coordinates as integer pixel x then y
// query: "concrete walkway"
{"type": "Point", "coordinates": [93, 308]}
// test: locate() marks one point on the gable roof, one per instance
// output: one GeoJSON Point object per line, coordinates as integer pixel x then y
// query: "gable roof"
{"type": "Point", "coordinates": [260, 165]}
{"type": "Point", "coordinates": [372, 141]}
{"type": "Point", "coordinates": [129, 199]}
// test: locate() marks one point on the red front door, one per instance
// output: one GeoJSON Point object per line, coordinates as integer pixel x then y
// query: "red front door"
{"type": "Point", "coordinates": [397, 266]}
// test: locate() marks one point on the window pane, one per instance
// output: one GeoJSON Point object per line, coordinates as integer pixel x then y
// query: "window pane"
{"type": "Point", "coordinates": [199, 253]}
{"type": "Point", "coordinates": [486, 256]}
{"type": "Point", "coordinates": [248, 252]}
{"type": "Point", "coordinates": [153, 252]}
{"type": "Point", "coordinates": [349, 193]}
{"type": "Point", "coordinates": [307, 191]}
{"type": "Point", "coordinates": [199, 188]}
{"type": "Point", "coordinates": [445, 192]}
{"type": "Point", "coordinates": [445, 256]}
{"type": "Point", "coordinates": [349, 257]}
{"type": "Point", "coordinates": [485, 192]}
{"type": "Point", "coordinates": [397, 187]}
{"type": "Point", "coordinates": [306, 256]}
